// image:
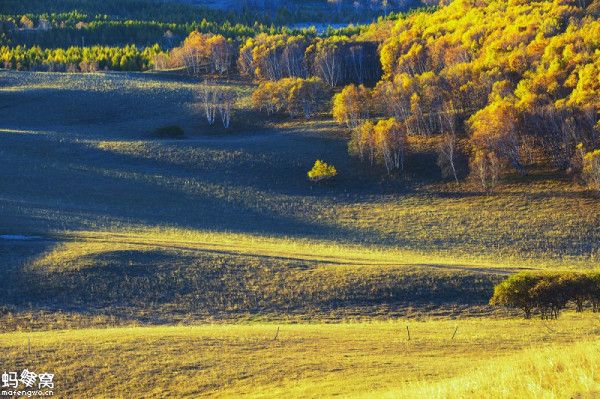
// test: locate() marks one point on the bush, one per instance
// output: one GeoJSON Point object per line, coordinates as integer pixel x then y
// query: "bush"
{"type": "Point", "coordinates": [321, 171]}
{"type": "Point", "coordinates": [169, 132]}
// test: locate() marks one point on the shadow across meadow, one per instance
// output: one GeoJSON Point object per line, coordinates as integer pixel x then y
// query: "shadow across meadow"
{"type": "Point", "coordinates": [160, 287]}
{"type": "Point", "coordinates": [54, 185]}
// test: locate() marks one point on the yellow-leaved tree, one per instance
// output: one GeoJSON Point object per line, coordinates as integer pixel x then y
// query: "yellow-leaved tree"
{"type": "Point", "coordinates": [385, 142]}
{"type": "Point", "coordinates": [296, 96]}
{"type": "Point", "coordinates": [352, 105]}
{"type": "Point", "coordinates": [322, 171]}
{"type": "Point", "coordinates": [495, 140]}
{"type": "Point", "coordinates": [391, 144]}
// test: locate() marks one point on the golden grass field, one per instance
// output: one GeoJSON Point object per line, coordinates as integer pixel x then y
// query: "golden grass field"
{"type": "Point", "coordinates": [163, 268]}
{"type": "Point", "coordinates": [487, 358]}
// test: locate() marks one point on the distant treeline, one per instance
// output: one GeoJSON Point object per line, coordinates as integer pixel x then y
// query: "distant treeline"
{"type": "Point", "coordinates": [65, 23]}
{"type": "Point", "coordinates": [548, 293]}
{"type": "Point", "coordinates": [336, 60]}
{"type": "Point", "coordinates": [103, 31]}
{"type": "Point", "coordinates": [77, 29]}
{"type": "Point", "coordinates": [178, 12]}
{"type": "Point", "coordinates": [79, 59]}
{"type": "Point", "coordinates": [278, 12]}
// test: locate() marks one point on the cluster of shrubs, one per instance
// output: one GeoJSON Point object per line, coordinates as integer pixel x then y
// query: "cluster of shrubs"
{"type": "Point", "coordinates": [548, 293]}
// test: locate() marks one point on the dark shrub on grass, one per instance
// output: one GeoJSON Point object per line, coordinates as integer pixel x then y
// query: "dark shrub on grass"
{"type": "Point", "coordinates": [169, 132]}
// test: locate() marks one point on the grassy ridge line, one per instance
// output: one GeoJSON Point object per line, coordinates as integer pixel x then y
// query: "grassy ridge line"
{"type": "Point", "coordinates": [80, 243]}
{"type": "Point", "coordinates": [318, 360]}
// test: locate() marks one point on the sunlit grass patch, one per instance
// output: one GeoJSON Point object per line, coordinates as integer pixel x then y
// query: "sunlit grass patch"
{"type": "Point", "coordinates": [181, 154]}
{"type": "Point", "coordinates": [315, 360]}
{"type": "Point", "coordinates": [83, 243]}
{"type": "Point", "coordinates": [536, 224]}
{"type": "Point", "coordinates": [216, 281]}
{"type": "Point", "coordinates": [556, 371]}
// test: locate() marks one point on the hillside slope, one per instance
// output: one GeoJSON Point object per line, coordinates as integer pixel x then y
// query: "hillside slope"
{"type": "Point", "coordinates": [121, 223]}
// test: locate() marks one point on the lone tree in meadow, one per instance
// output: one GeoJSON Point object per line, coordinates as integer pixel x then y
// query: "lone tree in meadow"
{"type": "Point", "coordinates": [321, 171]}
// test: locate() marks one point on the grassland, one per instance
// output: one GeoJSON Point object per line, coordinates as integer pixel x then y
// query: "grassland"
{"type": "Point", "coordinates": [83, 174]}
{"type": "Point", "coordinates": [320, 360]}
{"type": "Point", "coordinates": [90, 135]}
{"type": "Point", "coordinates": [132, 243]}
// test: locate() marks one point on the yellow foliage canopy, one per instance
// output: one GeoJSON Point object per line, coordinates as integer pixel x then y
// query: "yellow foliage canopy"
{"type": "Point", "coordinates": [321, 171]}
